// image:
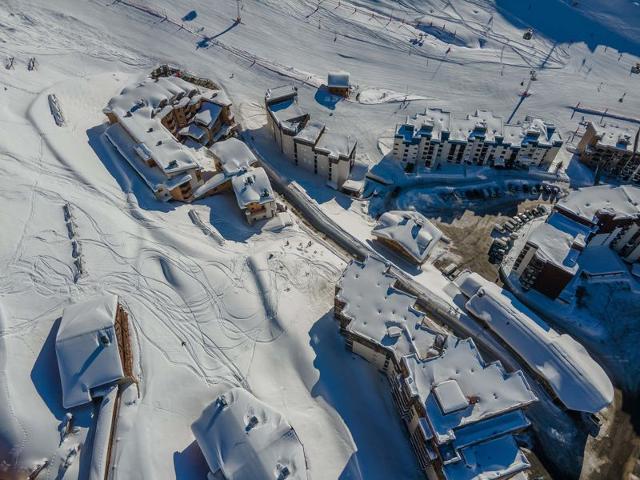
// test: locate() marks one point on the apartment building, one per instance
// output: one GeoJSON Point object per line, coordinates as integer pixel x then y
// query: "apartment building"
{"type": "Point", "coordinates": [602, 217]}
{"type": "Point", "coordinates": [308, 144]}
{"type": "Point", "coordinates": [150, 119]}
{"type": "Point", "coordinates": [434, 138]}
{"type": "Point", "coordinates": [610, 150]}
{"type": "Point", "coordinates": [460, 412]}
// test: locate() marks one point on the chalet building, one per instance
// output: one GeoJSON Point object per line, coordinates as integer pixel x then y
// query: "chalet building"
{"type": "Point", "coordinates": [254, 194]}
{"type": "Point", "coordinates": [408, 233]}
{"type": "Point", "coordinates": [610, 150]}
{"type": "Point", "coordinates": [93, 349]}
{"type": "Point", "coordinates": [338, 83]}
{"type": "Point", "coordinates": [243, 438]}
{"type": "Point", "coordinates": [436, 138]}
{"type": "Point", "coordinates": [150, 119]}
{"type": "Point", "coordinates": [308, 144]}
{"type": "Point", "coordinates": [460, 412]}
{"type": "Point", "coordinates": [574, 380]}
{"type": "Point", "coordinates": [556, 251]}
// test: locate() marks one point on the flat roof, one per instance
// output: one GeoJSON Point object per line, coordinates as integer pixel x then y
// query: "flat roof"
{"type": "Point", "coordinates": [336, 145]}
{"type": "Point", "coordinates": [621, 202]}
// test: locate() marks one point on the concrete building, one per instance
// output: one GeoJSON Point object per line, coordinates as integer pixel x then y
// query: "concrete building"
{"type": "Point", "coordinates": [150, 119]}
{"type": "Point", "coordinates": [610, 150]}
{"type": "Point", "coordinates": [460, 412]}
{"type": "Point", "coordinates": [436, 138]}
{"type": "Point", "coordinates": [602, 217]}
{"type": "Point", "coordinates": [308, 144]}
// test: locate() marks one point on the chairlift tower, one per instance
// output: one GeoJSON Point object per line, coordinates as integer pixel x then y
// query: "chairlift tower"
{"type": "Point", "coordinates": [238, 18]}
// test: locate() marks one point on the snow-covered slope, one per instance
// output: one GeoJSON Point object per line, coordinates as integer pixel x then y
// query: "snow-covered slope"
{"type": "Point", "coordinates": [256, 311]}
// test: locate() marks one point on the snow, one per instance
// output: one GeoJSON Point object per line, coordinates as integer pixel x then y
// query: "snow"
{"type": "Point", "coordinates": [87, 349]}
{"type": "Point", "coordinates": [555, 246]}
{"type": "Point", "coordinates": [336, 145]}
{"type": "Point", "coordinates": [586, 203]}
{"type": "Point", "coordinates": [576, 378]}
{"type": "Point", "coordinates": [252, 186]}
{"type": "Point", "coordinates": [480, 391]}
{"type": "Point", "coordinates": [245, 439]}
{"type": "Point", "coordinates": [411, 231]}
{"type": "Point", "coordinates": [614, 136]}
{"type": "Point", "coordinates": [499, 458]}
{"type": "Point", "coordinates": [181, 286]}
{"type": "Point", "coordinates": [338, 80]}
{"type": "Point", "coordinates": [382, 313]}
{"type": "Point", "coordinates": [233, 155]}
{"type": "Point", "coordinates": [139, 109]}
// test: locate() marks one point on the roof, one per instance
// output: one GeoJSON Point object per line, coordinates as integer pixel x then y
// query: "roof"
{"type": "Point", "coordinates": [280, 93]}
{"type": "Point", "coordinates": [336, 145]}
{"type": "Point", "coordinates": [234, 155]}
{"type": "Point", "coordinates": [555, 246]}
{"type": "Point", "coordinates": [578, 380]}
{"type": "Point", "coordinates": [458, 388]}
{"type": "Point", "coordinates": [585, 203]}
{"type": "Point", "coordinates": [410, 230]}
{"type": "Point", "coordinates": [614, 136]}
{"type": "Point", "coordinates": [288, 115]}
{"type": "Point", "coordinates": [87, 349]}
{"type": "Point", "coordinates": [495, 459]}
{"type": "Point", "coordinates": [141, 107]}
{"type": "Point", "coordinates": [338, 79]}
{"type": "Point", "coordinates": [208, 114]}
{"type": "Point", "coordinates": [246, 439]}
{"type": "Point", "coordinates": [439, 125]}
{"type": "Point", "coordinates": [194, 131]}
{"type": "Point", "coordinates": [253, 186]}
{"type": "Point", "coordinates": [310, 133]}
{"type": "Point", "coordinates": [382, 313]}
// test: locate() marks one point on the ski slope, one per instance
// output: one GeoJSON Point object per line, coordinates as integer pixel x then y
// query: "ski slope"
{"type": "Point", "coordinates": [254, 310]}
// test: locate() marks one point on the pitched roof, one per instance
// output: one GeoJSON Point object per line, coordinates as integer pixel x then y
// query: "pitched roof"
{"type": "Point", "coordinates": [245, 439]}
{"type": "Point", "coordinates": [87, 349]}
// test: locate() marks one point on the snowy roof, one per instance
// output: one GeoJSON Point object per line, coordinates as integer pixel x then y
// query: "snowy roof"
{"type": "Point", "coordinates": [288, 115]}
{"type": "Point", "coordinates": [280, 93]}
{"type": "Point", "coordinates": [495, 459]}
{"type": "Point", "coordinates": [336, 145]}
{"type": "Point", "coordinates": [140, 108]}
{"type": "Point", "coordinates": [440, 125]}
{"type": "Point", "coordinates": [576, 378]}
{"type": "Point", "coordinates": [310, 133]}
{"type": "Point", "coordinates": [614, 136]}
{"type": "Point", "coordinates": [87, 349]}
{"type": "Point", "coordinates": [208, 114]}
{"type": "Point", "coordinates": [622, 202]}
{"type": "Point", "coordinates": [221, 98]}
{"type": "Point", "coordinates": [601, 260]}
{"type": "Point", "coordinates": [153, 177]}
{"type": "Point", "coordinates": [410, 230]}
{"type": "Point", "coordinates": [253, 186]}
{"type": "Point", "coordinates": [338, 79]}
{"type": "Point", "coordinates": [194, 131]}
{"type": "Point", "coordinates": [555, 246]}
{"type": "Point", "coordinates": [458, 388]}
{"type": "Point", "coordinates": [234, 155]}
{"type": "Point", "coordinates": [382, 313]}
{"type": "Point", "coordinates": [245, 439]}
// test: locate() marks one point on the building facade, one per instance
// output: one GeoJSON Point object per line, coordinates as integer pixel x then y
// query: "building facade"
{"type": "Point", "coordinates": [610, 150]}
{"type": "Point", "coordinates": [436, 138]}
{"type": "Point", "coordinates": [603, 217]}
{"type": "Point", "coordinates": [456, 408]}
{"type": "Point", "coordinates": [308, 144]}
